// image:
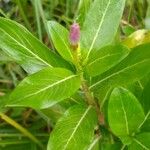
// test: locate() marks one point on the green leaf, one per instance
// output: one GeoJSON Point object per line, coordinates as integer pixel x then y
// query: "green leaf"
{"type": "Point", "coordinates": [60, 38]}
{"type": "Point", "coordinates": [75, 130]}
{"type": "Point", "coordinates": [125, 114]}
{"type": "Point", "coordinates": [100, 24]}
{"type": "Point", "coordinates": [141, 142]}
{"type": "Point", "coordinates": [17, 42]}
{"type": "Point", "coordinates": [145, 100]}
{"type": "Point", "coordinates": [131, 69]}
{"type": "Point", "coordinates": [45, 88]}
{"type": "Point", "coordinates": [105, 58]}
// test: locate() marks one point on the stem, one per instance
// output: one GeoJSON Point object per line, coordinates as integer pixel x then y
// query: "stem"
{"type": "Point", "coordinates": [21, 129]}
{"type": "Point", "coordinates": [89, 98]}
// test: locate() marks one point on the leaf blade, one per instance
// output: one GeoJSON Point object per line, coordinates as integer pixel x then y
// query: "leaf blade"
{"type": "Point", "coordinates": [126, 72]}
{"type": "Point", "coordinates": [25, 49]}
{"type": "Point", "coordinates": [60, 38]}
{"type": "Point", "coordinates": [105, 58]}
{"type": "Point", "coordinates": [125, 113]}
{"type": "Point", "coordinates": [48, 87]}
{"type": "Point", "coordinates": [96, 36]}
{"type": "Point", "coordinates": [72, 136]}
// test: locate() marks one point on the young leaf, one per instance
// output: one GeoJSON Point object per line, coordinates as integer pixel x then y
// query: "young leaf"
{"type": "Point", "coordinates": [125, 113]}
{"type": "Point", "coordinates": [60, 38]}
{"type": "Point", "coordinates": [22, 46]}
{"type": "Point", "coordinates": [141, 142]}
{"type": "Point", "coordinates": [131, 69]}
{"type": "Point", "coordinates": [105, 58]}
{"type": "Point", "coordinates": [75, 129]}
{"type": "Point", "coordinates": [45, 88]}
{"type": "Point", "coordinates": [101, 24]}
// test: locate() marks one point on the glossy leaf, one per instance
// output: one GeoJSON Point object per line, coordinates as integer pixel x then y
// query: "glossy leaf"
{"type": "Point", "coordinates": [105, 58]}
{"type": "Point", "coordinates": [45, 88]}
{"type": "Point", "coordinates": [100, 24]}
{"type": "Point", "coordinates": [60, 38]}
{"type": "Point", "coordinates": [141, 142]}
{"type": "Point", "coordinates": [125, 114]}
{"type": "Point", "coordinates": [18, 43]}
{"type": "Point", "coordinates": [75, 130]}
{"type": "Point", "coordinates": [131, 69]}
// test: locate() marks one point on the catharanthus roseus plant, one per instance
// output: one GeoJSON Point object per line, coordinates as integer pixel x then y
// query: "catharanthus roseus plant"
{"type": "Point", "coordinates": [90, 72]}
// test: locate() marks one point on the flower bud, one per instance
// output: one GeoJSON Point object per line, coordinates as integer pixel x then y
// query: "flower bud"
{"type": "Point", "coordinates": [74, 34]}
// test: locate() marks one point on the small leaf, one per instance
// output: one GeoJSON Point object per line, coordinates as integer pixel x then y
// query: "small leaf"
{"type": "Point", "coordinates": [100, 24]}
{"type": "Point", "coordinates": [125, 114]}
{"type": "Point", "coordinates": [105, 58]}
{"type": "Point", "coordinates": [141, 142]}
{"type": "Point", "coordinates": [60, 38]}
{"type": "Point", "coordinates": [75, 130]}
{"type": "Point", "coordinates": [17, 42]}
{"type": "Point", "coordinates": [45, 88]}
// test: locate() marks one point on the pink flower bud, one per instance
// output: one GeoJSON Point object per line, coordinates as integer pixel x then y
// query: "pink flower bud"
{"type": "Point", "coordinates": [74, 34]}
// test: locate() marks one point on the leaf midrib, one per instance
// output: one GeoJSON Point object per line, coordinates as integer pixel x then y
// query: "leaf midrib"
{"type": "Point", "coordinates": [36, 56]}
{"type": "Point", "coordinates": [139, 143]}
{"type": "Point", "coordinates": [78, 124]}
{"type": "Point", "coordinates": [125, 116]}
{"type": "Point", "coordinates": [124, 69]}
{"type": "Point", "coordinates": [99, 28]}
{"type": "Point", "coordinates": [101, 58]}
{"type": "Point", "coordinates": [50, 86]}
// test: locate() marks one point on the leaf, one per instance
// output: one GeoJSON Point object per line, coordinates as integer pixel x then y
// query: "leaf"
{"type": "Point", "coordinates": [145, 100]}
{"type": "Point", "coordinates": [125, 114]}
{"type": "Point", "coordinates": [131, 69]}
{"type": "Point", "coordinates": [105, 58]}
{"type": "Point", "coordinates": [17, 42]}
{"type": "Point", "coordinates": [75, 130]}
{"type": "Point", "coordinates": [45, 88]}
{"type": "Point", "coordinates": [100, 25]}
{"type": "Point", "coordinates": [137, 38]}
{"type": "Point", "coordinates": [141, 142]}
{"type": "Point", "coordinates": [60, 38]}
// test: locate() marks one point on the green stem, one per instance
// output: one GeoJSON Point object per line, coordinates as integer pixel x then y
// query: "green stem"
{"type": "Point", "coordinates": [89, 98]}
{"type": "Point", "coordinates": [21, 129]}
